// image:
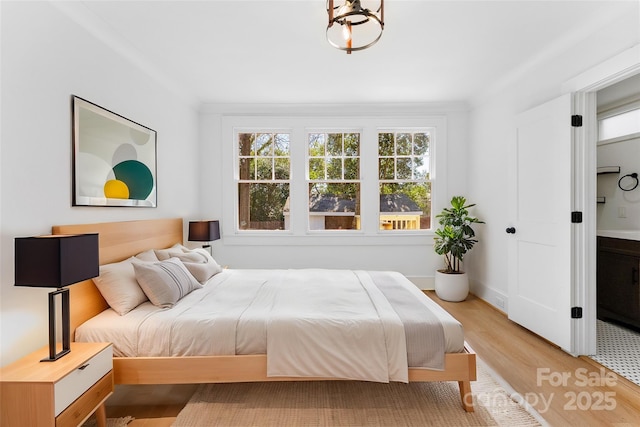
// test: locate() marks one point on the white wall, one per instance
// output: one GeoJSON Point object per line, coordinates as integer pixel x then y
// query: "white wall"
{"type": "Point", "coordinates": [411, 255]}
{"type": "Point", "coordinates": [492, 131]}
{"type": "Point", "coordinates": [46, 58]}
{"type": "Point", "coordinates": [625, 154]}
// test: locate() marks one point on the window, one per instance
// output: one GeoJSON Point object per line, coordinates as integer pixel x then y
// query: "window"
{"type": "Point", "coordinates": [619, 124]}
{"type": "Point", "coordinates": [334, 181]}
{"type": "Point", "coordinates": [404, 180]}
{"type": "Point", "coordinates": [263, 180]}
{"type": "Point", "coordinates": [323, 179]}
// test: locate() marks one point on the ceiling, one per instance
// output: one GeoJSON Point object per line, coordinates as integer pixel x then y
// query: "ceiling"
{"type": "Point", "coordinates": [276, 52]}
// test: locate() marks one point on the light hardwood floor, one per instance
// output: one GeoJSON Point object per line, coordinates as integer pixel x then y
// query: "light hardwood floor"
{"type": "Point", "coordinates": [565, 390]}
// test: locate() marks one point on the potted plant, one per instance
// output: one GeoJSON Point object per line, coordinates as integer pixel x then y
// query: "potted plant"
{"type": "Point", "coordinates": [454, 239]}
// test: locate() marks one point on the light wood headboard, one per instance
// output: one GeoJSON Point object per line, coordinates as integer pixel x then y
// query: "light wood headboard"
{"type": "Point", "coordinates": [118, 241]}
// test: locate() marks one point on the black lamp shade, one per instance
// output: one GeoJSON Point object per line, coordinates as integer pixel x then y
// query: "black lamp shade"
{"type": "Point", "coordinates": [56, 261]}
{"type": "Point", "coordinates": [204, 231]}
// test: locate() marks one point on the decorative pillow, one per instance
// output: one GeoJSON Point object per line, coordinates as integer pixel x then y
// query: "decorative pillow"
{"type": "Point", "coordinates": [208, 256]}
{"type": "Point", "coordinates": [180, 247]}
{"type": "Point", "coordinates": [191, 256]}
{"type": "Point", "coordinates": [118, 286]}
{"type": "Point", "coordinates": [164, 254]}
{"type": "Point", "coordinates": [199, 263]}
{"type": "Point", "coordinates": [165, 282]}
{"type": "Point", "coordinates": [148, 256]}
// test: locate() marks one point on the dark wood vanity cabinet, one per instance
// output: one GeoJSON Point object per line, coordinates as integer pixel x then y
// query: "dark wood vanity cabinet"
{"type": "Point", "coordinates": [619, 280]}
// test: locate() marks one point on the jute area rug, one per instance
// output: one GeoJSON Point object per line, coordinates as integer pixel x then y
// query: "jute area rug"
{"type": "Point", "coordinates": [352, 403]}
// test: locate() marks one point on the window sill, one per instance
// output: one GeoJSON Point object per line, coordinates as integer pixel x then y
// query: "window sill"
{"type": "Point", "coordinates": [415, 238]}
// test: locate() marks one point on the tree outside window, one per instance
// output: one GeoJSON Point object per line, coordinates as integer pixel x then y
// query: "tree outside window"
{"type": "Point", "coordinates": [404, 180]}
{"type": "Point", "coordinates": [264, 180]}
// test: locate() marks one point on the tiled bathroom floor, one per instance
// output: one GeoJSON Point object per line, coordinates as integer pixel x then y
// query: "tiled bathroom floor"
{"type": "Point", "coordinates": [618, 349]}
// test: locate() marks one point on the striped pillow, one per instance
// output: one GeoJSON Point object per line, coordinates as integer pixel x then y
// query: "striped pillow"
{"type": "Point", "coordinates": [166, 282]}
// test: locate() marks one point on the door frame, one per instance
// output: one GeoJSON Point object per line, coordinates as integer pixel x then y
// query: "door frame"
{"type": "Point", "coordinates": [584, 88]}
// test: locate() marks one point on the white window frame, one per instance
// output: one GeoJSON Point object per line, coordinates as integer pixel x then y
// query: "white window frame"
{"type": "Point", "coordinates": [616, 111]}
{"type": "Point", "coordinates": [432, 137]}
{"type": "Point", "coordinates": [308, 157]}
{"type": "Point", "coordinates": [273, 180]}
{"type": "Point", "coordinates": [298, 127]}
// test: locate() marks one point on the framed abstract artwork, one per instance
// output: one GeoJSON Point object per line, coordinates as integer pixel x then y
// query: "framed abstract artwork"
{"type": "Point", "coordinates": [114, 159]}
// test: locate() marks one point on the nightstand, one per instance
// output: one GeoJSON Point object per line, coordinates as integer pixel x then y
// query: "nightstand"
{"type": "Point", "coordinates": [61, 393]}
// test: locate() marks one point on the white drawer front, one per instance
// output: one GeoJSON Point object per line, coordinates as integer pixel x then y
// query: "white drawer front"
{"type": "Point", "coordinates": [80, 380]}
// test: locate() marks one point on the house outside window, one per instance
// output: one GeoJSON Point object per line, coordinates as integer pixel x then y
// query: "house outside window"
{"type": "Point", "coordinates": [404, 179]}
{"type": "Point", "coordinates": [263, 180]}
{"type": "Point", "coordinates": [319, 180]}
{"type": "Point", "coordinates": [334, 180]}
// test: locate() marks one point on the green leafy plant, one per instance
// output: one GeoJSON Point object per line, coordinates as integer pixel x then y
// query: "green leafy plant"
{"type": "Point", "coordinates": [455, 237]}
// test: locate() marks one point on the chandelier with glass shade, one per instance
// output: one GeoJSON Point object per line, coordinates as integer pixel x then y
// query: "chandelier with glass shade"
{"type": "Point", "coordinates": [355, 24]}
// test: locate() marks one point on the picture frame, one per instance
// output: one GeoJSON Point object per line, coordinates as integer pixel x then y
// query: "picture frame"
{"type": "Point", "coordinates": [114, 158]}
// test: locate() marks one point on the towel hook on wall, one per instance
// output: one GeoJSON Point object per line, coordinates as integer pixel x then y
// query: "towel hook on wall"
{"type": "Point", "coordinates": [633, 184]}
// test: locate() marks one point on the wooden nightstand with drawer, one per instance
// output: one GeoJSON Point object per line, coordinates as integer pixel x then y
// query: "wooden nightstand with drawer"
{"type": "Point", "coordinates": [60, 393]}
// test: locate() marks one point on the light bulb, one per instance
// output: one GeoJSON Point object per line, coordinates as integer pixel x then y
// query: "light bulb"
{"type": "Point", "coordinates": [346, 31]}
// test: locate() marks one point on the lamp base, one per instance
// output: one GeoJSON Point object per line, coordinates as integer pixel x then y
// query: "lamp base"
{"type": "Point", "coordinates": [56, 356]}
{"type": "Point", "coordinates": [66, 328]}
{"type": "Point", "coordinates": [209, 248]}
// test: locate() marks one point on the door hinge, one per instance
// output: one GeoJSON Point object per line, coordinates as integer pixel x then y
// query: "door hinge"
{"type": "Point", "coordinates": [576, 217]}
{"type": "Point", "coordinates": [576, 312]}
{"type": "Point", "coordinates": [576, 121]}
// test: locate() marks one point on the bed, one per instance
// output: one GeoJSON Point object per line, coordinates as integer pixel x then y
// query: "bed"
{"type": "Point", "coordinates": [121, 240]}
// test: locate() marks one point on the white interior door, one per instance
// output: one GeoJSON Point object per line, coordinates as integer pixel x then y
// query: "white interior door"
{"type": "Point", "coordinates": [539, 242]}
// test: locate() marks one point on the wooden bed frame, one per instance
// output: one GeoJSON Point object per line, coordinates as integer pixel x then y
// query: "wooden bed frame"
{"type": "Point", "coordinates": [121, 240]}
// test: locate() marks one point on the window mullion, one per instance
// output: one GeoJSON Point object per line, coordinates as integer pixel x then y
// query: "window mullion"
{"type": "Point", "coordinates": [369, 199]}
{"type": "Point", "coordinates": [298, 199]}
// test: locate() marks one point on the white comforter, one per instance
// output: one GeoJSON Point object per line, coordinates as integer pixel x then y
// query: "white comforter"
{"type": "Point", "coordinates": [344, 328]}
{"type": "Point", "coordinates": [312, 323]}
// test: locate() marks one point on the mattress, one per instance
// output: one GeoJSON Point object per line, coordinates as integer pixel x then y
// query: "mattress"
{"type": "Point", "coordinates": [362, 325]}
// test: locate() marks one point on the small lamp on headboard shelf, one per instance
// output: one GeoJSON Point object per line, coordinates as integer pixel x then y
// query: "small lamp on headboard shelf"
{"type": "Point", "coordinates": [56, 261]}
{"type": "Point", "coordinates": [204, 231]}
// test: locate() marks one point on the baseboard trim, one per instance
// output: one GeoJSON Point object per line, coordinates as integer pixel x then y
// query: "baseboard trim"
{"type": "Point", "coordinates": [491, 306]}
{"type": "Point", "coordinates": [494, 298]}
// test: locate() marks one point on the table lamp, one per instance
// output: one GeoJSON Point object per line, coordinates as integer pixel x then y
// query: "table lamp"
{"type": "Point", "coordinates": [204, 231]}
{"type": "Point", "coordinates": [56, 261]}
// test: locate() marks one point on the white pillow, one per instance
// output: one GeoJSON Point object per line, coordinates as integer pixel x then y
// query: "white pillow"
{"type": "Point", "coordinates": [148, 256]}
{"type": "Point", "coordinates": [165, 282]}
{"type": "Point", "coordinates": [198, 261]}
{"type": "Point", "coordinates": [191, 256]}
{"type": "Point", "coordinates": [208, 256]}
{"type": "Point", "coordinates": [180, 247]}
{"type": "Point", "coordinates": [163, 254]}
{"type": "Point", "coordinates": [118, 286]}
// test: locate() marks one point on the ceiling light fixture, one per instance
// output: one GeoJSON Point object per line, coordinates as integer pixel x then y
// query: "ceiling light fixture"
{"type": "Point", "coordinates": [358, 27]}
